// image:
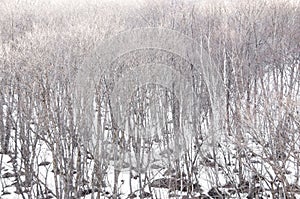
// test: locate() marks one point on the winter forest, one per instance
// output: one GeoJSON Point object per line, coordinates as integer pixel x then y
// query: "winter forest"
{"type": "Point", "coordinates": [149, 99]}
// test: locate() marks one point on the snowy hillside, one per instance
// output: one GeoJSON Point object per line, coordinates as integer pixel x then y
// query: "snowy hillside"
{"type": "Point", "coordinates": [149, 99]}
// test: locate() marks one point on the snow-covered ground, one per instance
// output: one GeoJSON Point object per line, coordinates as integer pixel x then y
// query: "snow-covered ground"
{"type": "Point", "coordinates": [153, 180]}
